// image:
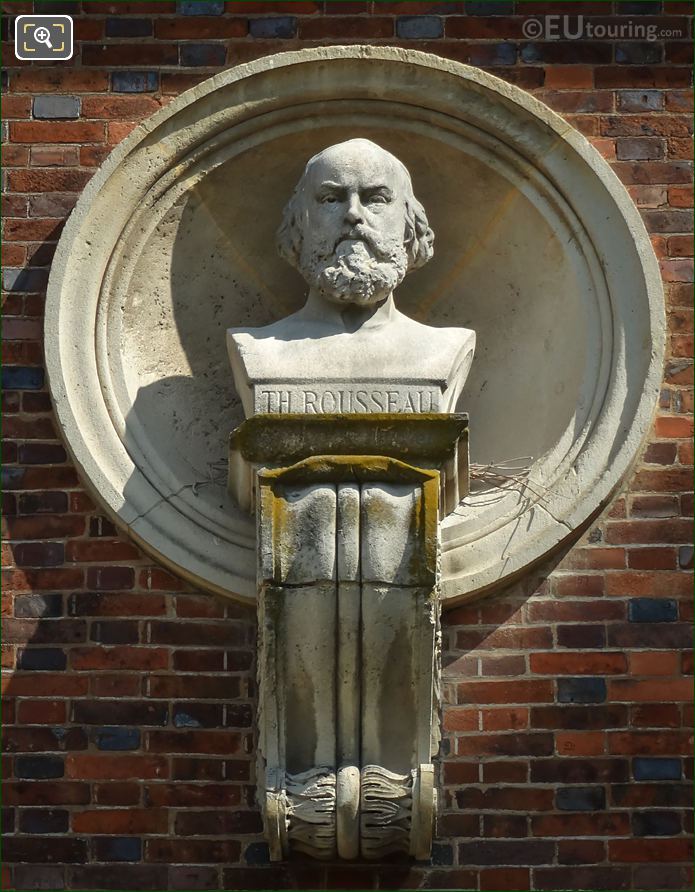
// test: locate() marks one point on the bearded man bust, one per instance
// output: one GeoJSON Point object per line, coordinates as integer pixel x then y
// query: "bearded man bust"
{"type": "Point", "coordinates": [353, 229]}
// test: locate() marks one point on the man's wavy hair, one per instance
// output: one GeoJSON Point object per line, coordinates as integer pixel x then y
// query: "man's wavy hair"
{"type": "Point", "coordinates": [418, 237]}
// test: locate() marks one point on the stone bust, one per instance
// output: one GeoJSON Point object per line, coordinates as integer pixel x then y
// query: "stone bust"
{"type": "Point", "coordinates": [353, 229]}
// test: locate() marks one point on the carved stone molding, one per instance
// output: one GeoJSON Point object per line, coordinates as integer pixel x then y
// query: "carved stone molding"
{"type": "Point", "coordinates": [348, 664]}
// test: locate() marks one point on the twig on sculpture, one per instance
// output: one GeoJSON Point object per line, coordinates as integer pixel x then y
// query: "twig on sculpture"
{"type": "Point", "coordinates": [511, 474]}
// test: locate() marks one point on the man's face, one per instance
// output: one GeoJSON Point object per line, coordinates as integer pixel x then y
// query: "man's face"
{"type": "Point", "coordinates": [354, 226]}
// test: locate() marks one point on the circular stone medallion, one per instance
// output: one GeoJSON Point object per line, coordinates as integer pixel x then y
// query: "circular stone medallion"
{"type": "Point", "coordinates": [538, 248]}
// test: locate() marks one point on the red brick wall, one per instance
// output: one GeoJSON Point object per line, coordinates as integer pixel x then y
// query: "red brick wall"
{"type": "Point", "coordinates": [129, 699]}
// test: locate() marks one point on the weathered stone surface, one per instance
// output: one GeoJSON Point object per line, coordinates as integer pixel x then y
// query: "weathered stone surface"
{"type": "Point", "coordinates": [353, 229]}
{"type": "Point", "coordinates": [432, 441]}
{"type": "Point", "coordinates": [347, 699]}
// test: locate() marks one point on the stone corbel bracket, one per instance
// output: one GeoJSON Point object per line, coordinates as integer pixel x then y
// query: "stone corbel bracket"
{"type": "Point", "coordinates": [348, 600]}
{"type": "Point", "coordinates": [429, 440]}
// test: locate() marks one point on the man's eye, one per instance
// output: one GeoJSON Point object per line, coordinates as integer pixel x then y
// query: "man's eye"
{"type": "Point", "coordinates": [329, 199]}
{"type": "Point", "coordinates": [377, 199]}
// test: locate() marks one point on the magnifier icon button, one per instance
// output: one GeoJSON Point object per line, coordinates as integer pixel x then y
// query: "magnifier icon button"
{"type": "Point", "coordinates": [43, 35]}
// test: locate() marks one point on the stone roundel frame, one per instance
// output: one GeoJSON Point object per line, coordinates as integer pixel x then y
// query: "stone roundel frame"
{"type": "Point", "coordinates": [492, 536]}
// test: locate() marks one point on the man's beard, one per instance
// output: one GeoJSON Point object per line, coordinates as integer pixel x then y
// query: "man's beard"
{"type": "Point", "coordinates": [361, 269]}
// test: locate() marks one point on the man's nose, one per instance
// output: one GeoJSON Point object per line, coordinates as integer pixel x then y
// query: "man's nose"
{"type": "Point", "coordinates": [354, 213]}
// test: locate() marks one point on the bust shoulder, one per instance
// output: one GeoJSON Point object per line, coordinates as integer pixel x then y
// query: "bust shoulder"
{"type": "Point", "coordinates": [303, 351]}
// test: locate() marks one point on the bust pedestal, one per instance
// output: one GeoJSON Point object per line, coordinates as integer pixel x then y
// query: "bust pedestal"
{"type": "Point", "coordinates": [348, 510]}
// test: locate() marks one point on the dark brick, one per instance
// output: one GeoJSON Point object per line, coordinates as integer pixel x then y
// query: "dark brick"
{"type": "Point", "coordinates": [62, 793]}
{"type": "Point", "coordinates": [44, 739]}
{"type": "Point", "coordinates": [506, 851]}
{"type": "Point", "coordinates": [217, 823]}
{"type": "Point", "coordinates": [39, 767]}
{"type": "Point", "coordinates": [239, 715]}
{"type": "Point", "coordinates": [39, 554]}
{"type": "Point", "coordinates": [646, 768]}
{"type": "Point", "coordinates": [9, 503]}
{"type": "Point", "coordinates": [42, 850]}
{"type": "Point", "coordinates": [42, 659]}
{"type": "Point", "coordinates": [35, 402]}
{"type": "Point", "coordinates": [581, 690]}
{"type": "Point", "coordinates": [53, 107]}
{"type": "Point", "coordinates": [45, 632]}
{"type": "Point", "coordinates": [110, 578]}
{"type": "Point", "coordinates": [142, 877]}
{"type": "Point", "coordinates": [12, 478]}
{"type": "Point", "coordinates": [126, 54]}
{"type": "Point", "coordinates": [36, 606]}
{"type": "Point", "coordinates": [257, 853]}
{"type": "Point", "coordinates": [498, 7]}
{"type": "Point", "coordinates": [187, 768]}
{"type": "Point", "coordinates": [652, 610]}
{"type": "Point", "coordinates": [652, 795]}
{"type": "Point", "coordinates": [598, 879]}
{"type": "Point", "coordinates": [200, 7]}
{"type": "Point", "coordinates": [122, 27]}
{"type": "Point", "coordinates": [118, 848]}
{"type": "Point", "coordinates": [118, 739]}
{"type": "Point", "coordinates": [638, 148]}
{"type": "Point", "coordinates": [668, 221]}
{"type": "Point", "coordinates": [134, 81]}
{"type": "Point", "coordinates": [201, 633]}
{"type": "Point", "coordinates": [662, 876]}
{"type": "Point", "coordinates": [236, 770]}
{"type": "Point", "coordinates": [685, 557]}
{"type": "Point", "coordinates": [638, 53]}
{"type": "Point", "coordinates": [656, 823]}
{"type": "Point", "coordinates": [18, 377]}
{"type": "Point", "coordinates": [419, 27]}
{"type": "Point", "coordinates": [492, 54]}
{"type": "Point", "coordinates": [52, 7]}
{"type": "Point", "coordinates": [202, 54]}
{"type": "Point", "coordinates": [186, 877]}
{"type": "Point", "coordinates": [41, 454]}
{"type": "Point", "coordinates": [657, 636]}
{"type": "Point", "coordinates": [37, 876]}
{"type": "Point", "coordinates": [639, 7]}
{"type": "Point", "coordinates": [7, 821]}
{"type": "Point", "coordinates": [193, 851]}
{"type": "Point", "coordinates": [579, 771]}
{"type": "Point", "coordinates": [442, 854]}
{"type": "Point", "coordinates": [116, 632]}
{"type": "Point", "coordinates": [119, 712]}
{"type": "Point", "coordinates": [640, 100]}
{"type": "Point", "coordinates": [581, 798]}
{"type": "Point", "coordinates": [581, 636]}
{"type": "Point", "coordinates": [281, 26]}
{"type": "Point", "coordinates": [568, 52]}
{"type": "Point", "coordinates": [198, 715]}
{"type": "Point", "coordinates": [44, 820]}
{"type": "Point", "coordinates": [276, 878]}
{"type": "Point", "coordinates": [25, 280]}
{"type": "Point", "coordinates": [43, 503]}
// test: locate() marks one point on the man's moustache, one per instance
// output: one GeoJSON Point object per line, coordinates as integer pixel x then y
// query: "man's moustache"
{"type": "Point", "coordinates": [356, 235]}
